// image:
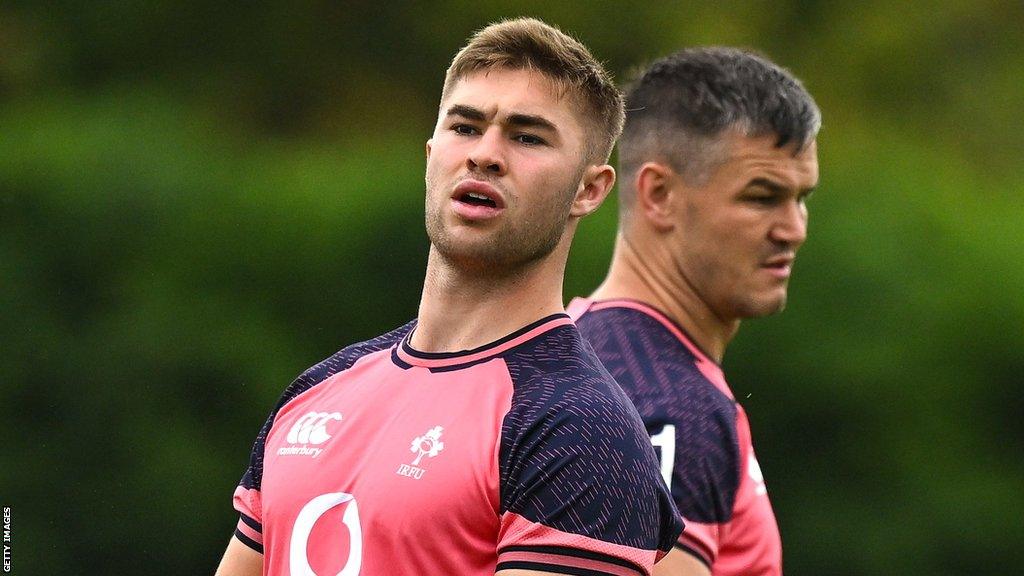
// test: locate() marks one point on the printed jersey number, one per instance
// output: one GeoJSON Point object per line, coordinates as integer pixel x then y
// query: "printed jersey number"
{"type": "Point", "coordinates": [308, 516]}
{"type": "Point", "coordinates": [666, 441]}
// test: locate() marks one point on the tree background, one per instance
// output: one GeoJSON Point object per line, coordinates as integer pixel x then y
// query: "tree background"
{"type": "Point", "coordinates": [199, 200]}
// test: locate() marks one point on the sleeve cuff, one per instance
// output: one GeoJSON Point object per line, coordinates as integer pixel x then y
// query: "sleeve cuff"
{"type": "Point", "coordinates": [565, 560]}
{"type": "Point", "coordinates": [250, 533]}
{"type": "Point", "coordinates": [693, 551]}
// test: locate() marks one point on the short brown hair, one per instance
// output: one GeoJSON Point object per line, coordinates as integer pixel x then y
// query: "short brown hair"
{"type": "Point", "coordinates": [528, 43]}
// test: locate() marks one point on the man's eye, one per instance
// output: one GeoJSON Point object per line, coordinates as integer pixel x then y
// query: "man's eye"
{"type": "Point", "coordinates": [464, 129]}
{"type": "Point", "coordinates": [529, 139]}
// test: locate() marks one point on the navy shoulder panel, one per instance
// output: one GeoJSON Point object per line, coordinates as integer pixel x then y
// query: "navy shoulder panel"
{"type": "Point", "coordinates": [337, 362]}
{"type": "Point", "coordinates": [660, 375]}
{"type": "Point", "coordinates": [574, 455]}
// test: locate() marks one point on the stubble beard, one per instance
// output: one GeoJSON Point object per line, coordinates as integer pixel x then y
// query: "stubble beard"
{"type": "Point", "coordinates": [510, 248]}
{"type": "Point", "coordinates": [754, 306]}
{"type": "Point", "coordinates": [731, 298]}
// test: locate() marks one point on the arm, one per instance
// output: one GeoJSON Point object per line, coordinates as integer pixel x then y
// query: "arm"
{"type": "Point", "coordinates": [679, 563]}
{"type": "Point", "coordinates": [525, 573]}
{"type": "Point", "coordinates": [240, 560]}
{"type": "Point", "coordinates": [676, 563]}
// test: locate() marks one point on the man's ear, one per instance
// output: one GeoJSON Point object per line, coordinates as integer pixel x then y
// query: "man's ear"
{"type": "Point", "coordinates": [430, 142]}
{"type": "Point", "coordinates": [594, 187]}
{"type": "Point", "coordinates": [656, 189]}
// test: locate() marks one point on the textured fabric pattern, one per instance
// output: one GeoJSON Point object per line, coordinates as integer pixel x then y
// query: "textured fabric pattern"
{"type": "Point", "coordinates": [574, 455]}
{"type": "Point", "coordinates": [385, 460]}
{"type": "Point", "coordinates": [684, 400]}
{"type": "Point", "coordinates": [661, 379]}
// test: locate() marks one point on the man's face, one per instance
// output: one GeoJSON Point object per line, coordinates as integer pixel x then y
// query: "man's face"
{"type": "Point", "coordinates": [740, 229]}
{"type": "Point", "coordinates": [503, 166]}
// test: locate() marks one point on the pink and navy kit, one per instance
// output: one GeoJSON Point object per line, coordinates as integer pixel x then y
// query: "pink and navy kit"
{"type": "Point", "coordinates": [701, 432]}
{"type": "Point", "coordinates": [523, 453]}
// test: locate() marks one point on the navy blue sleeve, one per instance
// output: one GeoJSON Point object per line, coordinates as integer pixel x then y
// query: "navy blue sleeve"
{"type": "Point", "coordinates": [574, 455]}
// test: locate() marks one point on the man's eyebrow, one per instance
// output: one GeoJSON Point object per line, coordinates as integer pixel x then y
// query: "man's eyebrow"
{"type": "Point", "coordinates": [530, 121]}
{"type": "Point", "coordinates": [467, 112]}
{"type": "Point", "coordinates": [766, 183]}
{"type": "Point", "coordinates": [775, 187]}
{"type": "Point", "coordinates": [516, 120]}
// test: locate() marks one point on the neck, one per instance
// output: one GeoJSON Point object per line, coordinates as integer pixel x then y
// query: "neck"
{"type": "Point", "coordinates": [463, 309]}
{"type": "Point", "coordinates": [648, 276]}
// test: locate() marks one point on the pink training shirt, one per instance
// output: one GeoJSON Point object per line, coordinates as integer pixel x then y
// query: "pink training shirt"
{"type": "Point", "coordinates": [383, 460]}
{"type": "Point", "coordinates": [700, 430]}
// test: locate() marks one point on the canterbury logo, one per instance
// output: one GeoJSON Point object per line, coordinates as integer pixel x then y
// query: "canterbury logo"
{"type": "Point", "coordinates": [312, 428]}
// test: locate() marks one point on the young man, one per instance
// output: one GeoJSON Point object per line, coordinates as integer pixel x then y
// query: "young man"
{"type": "Point", "coordinates": [718, 157]}
{"type": "Point", "coordinates": [483, 436]}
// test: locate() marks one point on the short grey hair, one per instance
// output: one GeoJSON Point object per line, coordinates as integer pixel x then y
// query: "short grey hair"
{"type": "Point", "coordinates": [677, 109]}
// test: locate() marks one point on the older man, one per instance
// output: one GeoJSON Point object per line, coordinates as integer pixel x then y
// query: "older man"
{"type": "Point", "coordinates": [718, 157]}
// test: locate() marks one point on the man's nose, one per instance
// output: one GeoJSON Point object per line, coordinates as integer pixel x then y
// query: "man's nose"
{"type": "Point", "coordinates": [488, 153]}
{"type": "Point", "coordinates": [791, 228]}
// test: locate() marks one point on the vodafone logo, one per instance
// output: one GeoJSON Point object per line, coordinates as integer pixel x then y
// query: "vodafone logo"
{"type": "Point", "coordinates": [298, 562]}
{"type": "Point", "coordinates": [309, 429]}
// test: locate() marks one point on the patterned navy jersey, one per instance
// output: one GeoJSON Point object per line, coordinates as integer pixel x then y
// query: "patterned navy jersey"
{"type": "Point", "coordinates": [700, 431]}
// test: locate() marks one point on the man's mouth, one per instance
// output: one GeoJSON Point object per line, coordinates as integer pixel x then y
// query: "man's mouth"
{"type": "Point", "coordinates": [478, 193]}
{"type": "Point", "coordinates": [783, 259]}
{"type": "Point", "coordinates": [475, 199]}
{"type": "Point", "coordinates": [780, 266]}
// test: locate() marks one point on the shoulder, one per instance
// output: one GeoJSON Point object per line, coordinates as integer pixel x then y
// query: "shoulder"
{"type": "Point", "coordinates": [637, 348]}
{"type": "Point", "coordinates": [571, 435]}
{"type": "Point", "coordinates": [680, 405]}
{"type": "Point", "coordinates": [342, 360]}
{"type": "Point", "coordinates": [659, 373]}
{"type": "Point", "coordinates": [559, 370]}
{"type": "Point", "coordinates": [337, 362]}
{"type": "Point", "coordinates": [347, 356]}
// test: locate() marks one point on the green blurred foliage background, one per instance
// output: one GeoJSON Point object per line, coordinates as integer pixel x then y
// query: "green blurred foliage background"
{"type": "Point", "coordinates": [199, 200]}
